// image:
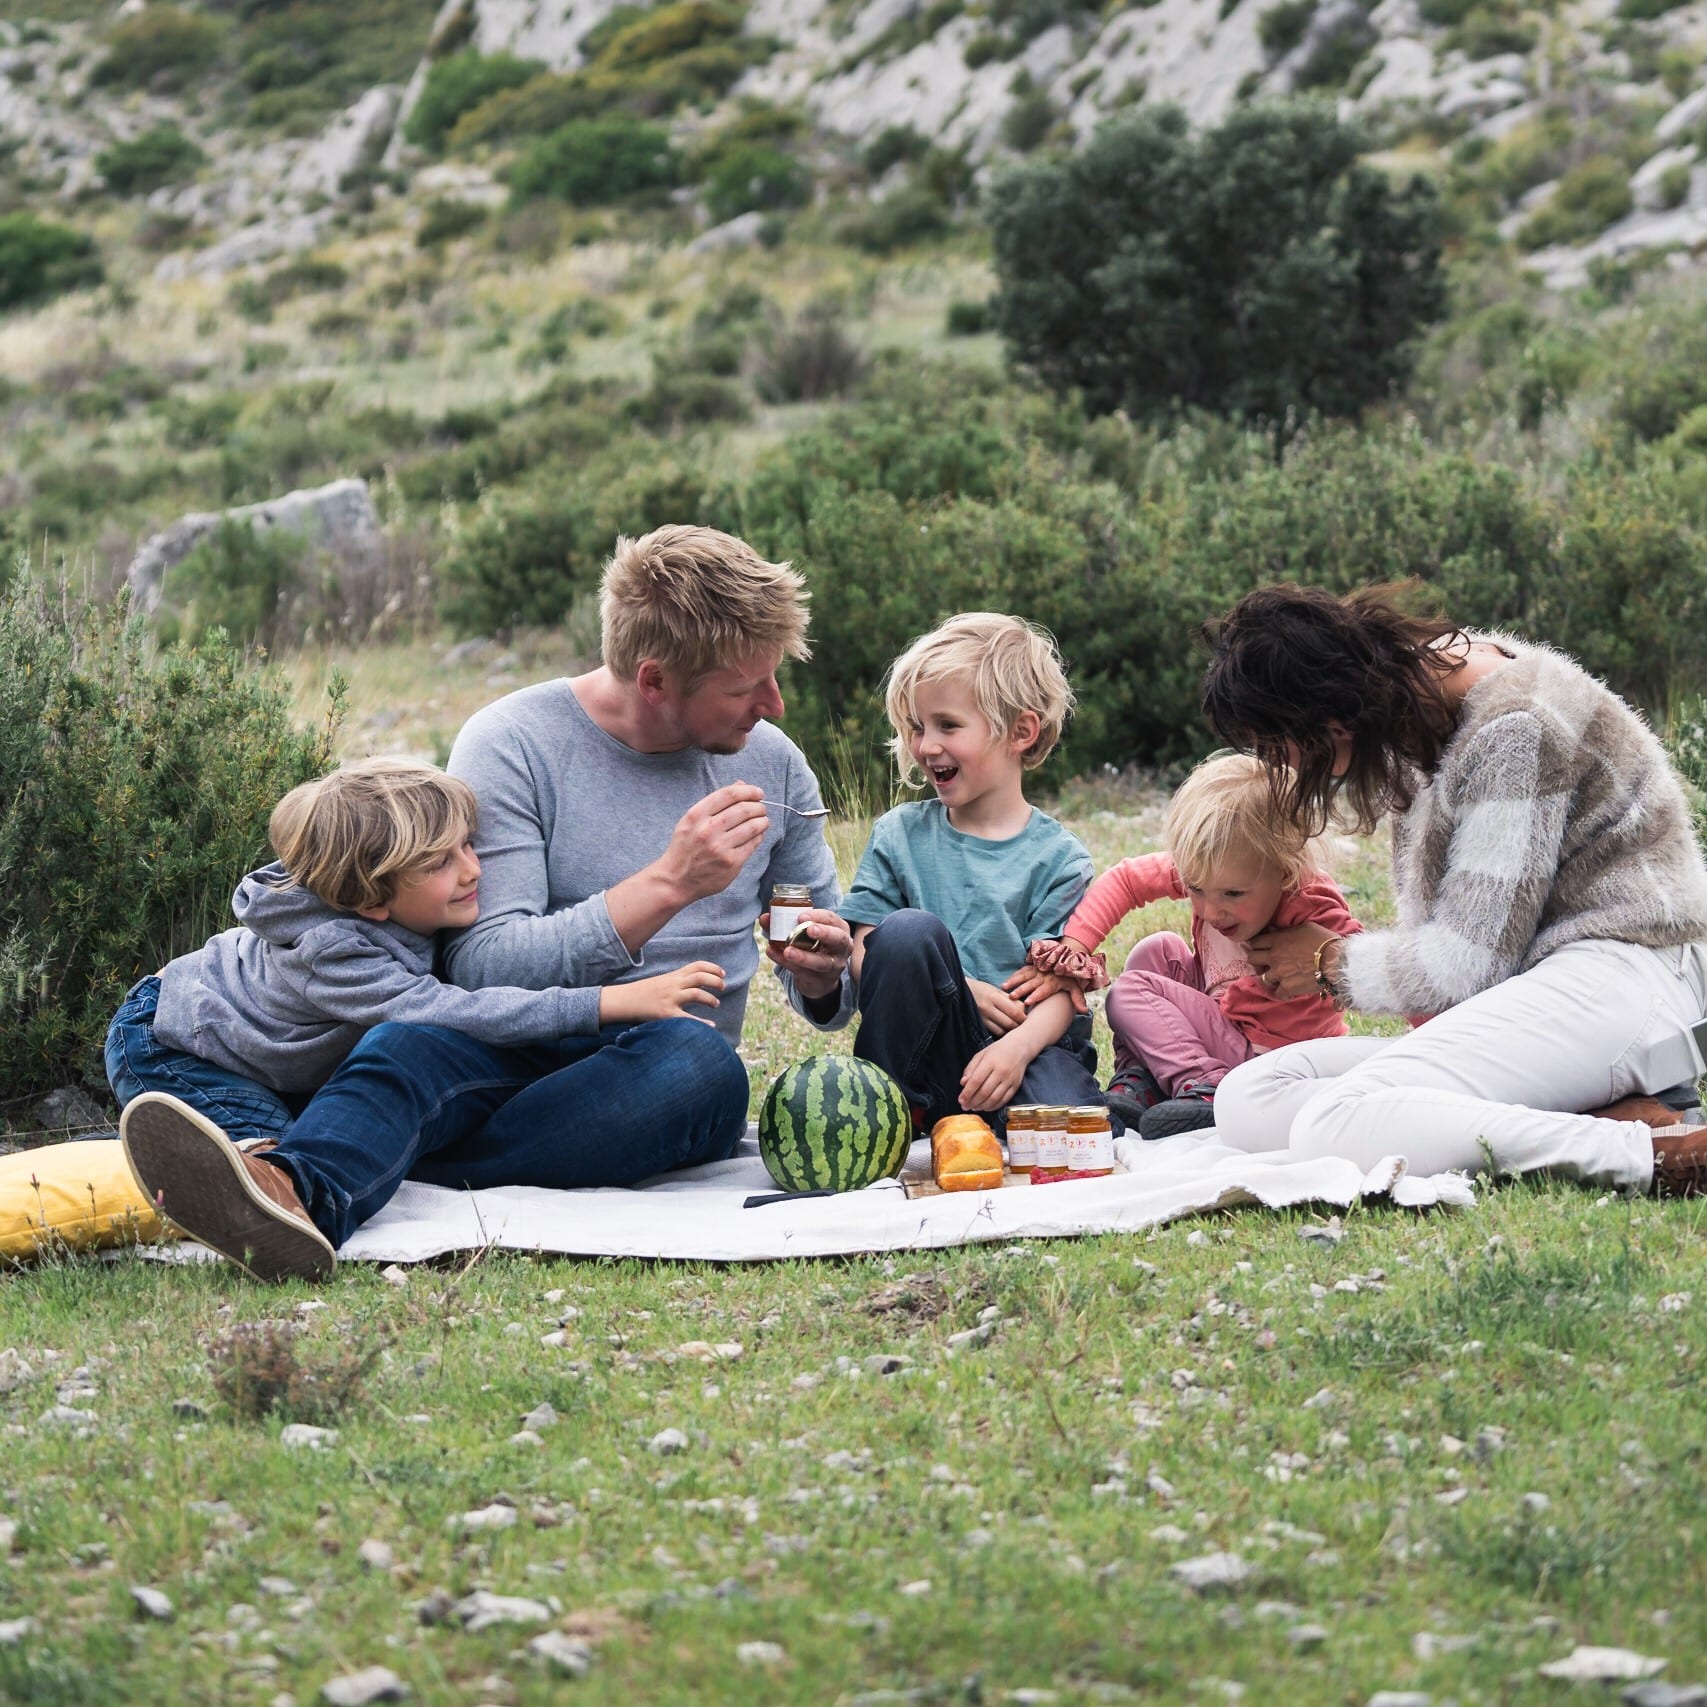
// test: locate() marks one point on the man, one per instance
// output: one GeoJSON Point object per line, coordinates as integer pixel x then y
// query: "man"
{"type": "Point", "coordinates": [635, 818]}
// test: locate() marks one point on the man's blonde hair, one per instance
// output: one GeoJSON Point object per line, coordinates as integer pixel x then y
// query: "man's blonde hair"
{"type": "Point", "coordinates": [1012, 667]}
{"type": "Point", "coordinates": [697, 600]}
{"type": "Point", "coordinates": [1224, 809]}
{"type": "Point", "coordinates": [353, 836]}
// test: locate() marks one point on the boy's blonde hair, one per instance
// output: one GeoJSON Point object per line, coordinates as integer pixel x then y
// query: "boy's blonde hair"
{"type": "Point", "coordinates": [697, 601]}
{"type": "Point", "coordinates": [1226, 807]}
{"type": "Point", "coordinates": [1012, 666]}
{"type": "Point", "coordinates": [353, 836]}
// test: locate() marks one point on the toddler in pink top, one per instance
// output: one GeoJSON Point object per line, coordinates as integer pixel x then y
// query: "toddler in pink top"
{"type": "Point", "coordinates": [1183, 1014]}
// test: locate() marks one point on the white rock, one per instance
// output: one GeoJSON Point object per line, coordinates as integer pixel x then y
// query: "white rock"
{"type": "Point", "coordinates": [572, 1658]}
{"type": "Point", "coordinates": [353, 141]}
{"type": "Point", "coordinates": [541, 1416]}
{"type": "Point", "coordinates": [760, 1653]}
{"type": "Point", "coordinates": [1212, 1570]}
{"type": "Point", "coordinates": [151, 1602]}
{"type": "Point", "coordinates": [14, 1371]}
{"type": "Point", "coordinates": [667, 1442]}
{"type": "Point", "coordinates": [67, 1416]}
{"type": "Point", "coordinates": [1645, 187]}
{"type": "Point", "coordinates": [1602, 1665]}
{"type": "Point", "coordinates": [375, 1555]}
{"type": "Point", "coordinates": [1306, 1636]}
{"type": "Point", "coordinates": [481, 1610]}
{"type": "Point", "coordinates": [306, 1435]}
{"type": "Point", "coordinates": [1535, 1502]}
{"type": "Point", "coordinates": [1168, 1535]}
{"type": "Point", "coordinates": [487, 1517]}
{"type": "Point", "coordinates": [14, 1630]}
{"type": "Point", "coordinates": [392, 1275]}
{"type": "Point", "coordinates": [360, 1688]}
{"type": "Point", "coordinates": [1683, 116]}
{"type": "Point", "coordinates": [921, 1586]}
{"type": "Point", "coordinates": [1400, 1698]}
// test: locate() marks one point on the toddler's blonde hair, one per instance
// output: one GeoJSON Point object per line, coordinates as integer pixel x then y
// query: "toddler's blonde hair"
{"type": "Point", "coordinates": [1226, 807]}
{"type": "Point", "coordinates": [1012, 666]}
{"type": "Point", "coordinates": [697, 601]}
{"type": "Point", "coordinates": [353, 836]}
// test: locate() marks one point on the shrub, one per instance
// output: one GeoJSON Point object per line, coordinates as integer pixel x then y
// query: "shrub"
{"type": "Point", "coordinates": [891, 145]}
{"type": "Point", "coordinates": [1486, 31]}
{"type": "Point", "coordinates": [1589, 198]}
{"type": "Point", "coordinates": [814, 359]}
{"type": "Point", "coordinates": [910, 216]}
{"type": "Point", "coordinates": [1674, 184]}
{"type": "Point", "coordinates": [161, 44]}
{"type": "Point", "coordinates": [1644, 10]}
{"type": "Point", "coordinates": [444, 221]}
{"type": "Point", "coordinates": [1028, 121]}
{"type": "Point", "coordinates": [240, 579]}
{"type": "Point", "coordinates": [457, 84]}
{"type": "Point", "coordinates": [595, 161]}
{"type": "Point", "coordinates": [535, 108]}
{"type": "Point", "coordinates": [260, 1369]}
{"type": "Point", "coordinates": [1282, 26]}
{"type": "Point", "coordinates": [163, 155]}
{"type": "Point", "coordinates": [968, 319]}
{"type": "Point", "coordinates": [134, 791]}
{"type": "Point", "coordinates": [1259, 269]}
{"type": "Point", "coordinates": [521, 561]}
{"type": "Point", "coordinates": [755, 177]}
{"type": "Point", "coordinates": [40, 260]}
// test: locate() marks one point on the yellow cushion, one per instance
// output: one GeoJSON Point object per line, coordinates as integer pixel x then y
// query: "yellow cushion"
{"type": "Point", "coordinates": [74, 1196]}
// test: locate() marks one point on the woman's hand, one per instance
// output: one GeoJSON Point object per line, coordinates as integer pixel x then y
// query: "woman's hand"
{"type": "Point", "coordinates": [670, 995]}
{"type": "Point", "coordinates": [1285, 960]}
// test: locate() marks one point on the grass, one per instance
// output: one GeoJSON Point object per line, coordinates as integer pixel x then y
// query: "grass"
{"type": "Point", "coordinates": [1207, 1388]}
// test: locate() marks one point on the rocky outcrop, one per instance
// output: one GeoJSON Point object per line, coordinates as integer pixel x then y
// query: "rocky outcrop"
{"type": "Point", "coordinates": [350, 145]}
{"type": "Point", "coordinates": [339, 519]}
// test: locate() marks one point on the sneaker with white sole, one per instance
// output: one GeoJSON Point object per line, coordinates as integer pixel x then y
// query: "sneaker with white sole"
{"type": "Point", "coordinates": [233, 1201]}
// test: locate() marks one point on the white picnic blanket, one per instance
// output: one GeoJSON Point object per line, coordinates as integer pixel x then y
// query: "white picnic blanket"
{"type": "Point", "coordinates": [700, 1213]}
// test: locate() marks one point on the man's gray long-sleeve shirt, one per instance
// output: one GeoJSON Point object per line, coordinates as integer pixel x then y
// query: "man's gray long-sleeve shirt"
{"type": "Point", "coordinates": [568, 811]}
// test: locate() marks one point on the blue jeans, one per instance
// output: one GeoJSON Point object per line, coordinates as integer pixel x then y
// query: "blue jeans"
{"type": "Point", "coordinates": [138, 1061]}
{"type": "Point", "coordinates": [920, 1024]}
{"type": "Point", "coordinates": [423, 1102]}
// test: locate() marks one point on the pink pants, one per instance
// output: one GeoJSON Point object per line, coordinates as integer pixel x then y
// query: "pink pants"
{"type": "Point", "coordinates": [1162, 1019]}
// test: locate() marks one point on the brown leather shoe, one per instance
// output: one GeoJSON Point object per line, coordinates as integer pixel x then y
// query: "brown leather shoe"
{"type": "Point", "coordinates": [1649, 1110]}
{"type": "Point", "coordinates": [241, 1206]}
{"type": "Point", "coordinates": [1680, 1161]}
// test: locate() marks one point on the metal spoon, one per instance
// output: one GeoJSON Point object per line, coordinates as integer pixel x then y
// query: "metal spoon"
{"type": "Point", "coordinates": [799, 811]}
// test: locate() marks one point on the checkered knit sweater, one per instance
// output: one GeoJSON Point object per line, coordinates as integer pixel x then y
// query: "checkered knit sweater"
{"type": "Point", "coordinates": [1552, 817]}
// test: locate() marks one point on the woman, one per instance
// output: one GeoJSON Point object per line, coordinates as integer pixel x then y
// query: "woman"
{"type": "Point", "coordinates": [1552, 901]}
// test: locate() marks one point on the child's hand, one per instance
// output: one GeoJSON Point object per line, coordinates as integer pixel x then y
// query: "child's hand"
{"type": "Point", "coordinates": [993, 1076]}
{"type": "Point", "coordinates": [670, 995]}
{"type": "Point", "coordinates": [1031, 987]}
{"type": "Point", "coordinates": [999, 1011]}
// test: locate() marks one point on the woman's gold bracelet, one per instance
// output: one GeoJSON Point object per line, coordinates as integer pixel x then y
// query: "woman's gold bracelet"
{"type": "Point", "coordinates": [1324, 983]}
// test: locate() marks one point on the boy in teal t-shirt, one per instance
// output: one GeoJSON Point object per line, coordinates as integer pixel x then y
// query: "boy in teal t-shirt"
{"type": "Point", "coordinates": [950, 892]}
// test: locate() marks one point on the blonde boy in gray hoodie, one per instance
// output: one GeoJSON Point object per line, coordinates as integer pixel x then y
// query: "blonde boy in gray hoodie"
{"type": "Point", "coordinates": [215, 1059]}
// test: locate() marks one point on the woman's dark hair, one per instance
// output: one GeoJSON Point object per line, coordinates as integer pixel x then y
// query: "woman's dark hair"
{"type": "Point", "coordinates": [1289, 661]}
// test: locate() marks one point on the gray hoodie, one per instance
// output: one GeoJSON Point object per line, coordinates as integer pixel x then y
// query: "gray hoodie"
{"type": "Point", "coordinates": [284, 997]}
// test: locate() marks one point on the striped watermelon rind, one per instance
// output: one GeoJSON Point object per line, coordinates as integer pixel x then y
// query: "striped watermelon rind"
{"type": "Point", "coordinates": [834, 1123]}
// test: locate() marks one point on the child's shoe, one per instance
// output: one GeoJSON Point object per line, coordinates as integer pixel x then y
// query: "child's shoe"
{"type": "Point", "coordinates": [233, 1201]}
{"type": "Point", "coordinates": [1191, 1111]}
{"type": "Point", "coordinates": [1131, 1091]}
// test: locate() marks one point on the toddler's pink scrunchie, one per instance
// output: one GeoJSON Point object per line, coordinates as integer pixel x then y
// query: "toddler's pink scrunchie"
{"type": "Point", "coordinates": [1089, 971]}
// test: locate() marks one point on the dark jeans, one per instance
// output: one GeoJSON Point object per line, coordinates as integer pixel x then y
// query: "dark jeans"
{"type": "Point", "coordinates": [423, 1102]}
{"type": "Point", "coordinates": [919, 1023]}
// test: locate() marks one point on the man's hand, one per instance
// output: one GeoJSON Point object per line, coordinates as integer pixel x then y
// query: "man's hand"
{"type": "Point", "coordinates": [993, 1075]}
{"type": "Point", "coordinates": [999, 1011]}
{"type": "Point", "coordinates": [816, 964]}
{"type": "Point", "coordinates": [670, 995]}
{"type": "Point", "coordinates": [715, 837]}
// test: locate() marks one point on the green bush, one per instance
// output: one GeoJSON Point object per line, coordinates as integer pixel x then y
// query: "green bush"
{"type": "Point", "coordinates": [535, 108]}
{"type": "Point", "coordinates": [1028, 121]}
{"type": "Point", "coordinates": [40, 260]}
{"type": "Point", "coordinates": [813, 359]}
{"type": "Point", "coordinates": [754, 177]}
{"type": "Point", "coordinates": [444, 221]}
{"type": "Point", "coordinates": [1487, 31]}
{"type": "Point", "coordinates": [968, 319]}
{"type": "Point", "coordinates": [1259, 269]}
{"type": "Point", "coordinates": [521, 561]}
{"type": "Point", "coordinates": [1589, 198]}
{"type": "Point", "coordinates": [1281, 27]}
{"type": "Point", "coordinates": [891, 145]}
{"type": "Point", "coordinates": [162, 45]}
{"type": "Point", "coordinates": [592, 162]}
{"type": "Point", "coordinates": [163, 155]}
{"type": "Point", "coordinates": [908, 217]}
{"type": "Point", "coordinates": [240, 579]}
{"type": "Point", "coordinates": [456, 85]}
{"type": "Point", "coordinates": [1674, 184]}
{"type": "Point", "coordinates": [134, 792]}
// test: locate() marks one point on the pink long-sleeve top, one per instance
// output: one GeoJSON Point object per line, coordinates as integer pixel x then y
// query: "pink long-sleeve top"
{"type": "Point", "coordinates": [1267, 1020]}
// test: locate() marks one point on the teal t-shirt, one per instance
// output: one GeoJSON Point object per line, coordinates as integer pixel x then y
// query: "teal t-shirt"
{"type": "Point", "coordinates": [993, 896]}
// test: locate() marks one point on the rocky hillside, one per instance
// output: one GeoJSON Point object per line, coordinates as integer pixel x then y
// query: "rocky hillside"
{"type": "Point", "coordinates": [1576, 129]}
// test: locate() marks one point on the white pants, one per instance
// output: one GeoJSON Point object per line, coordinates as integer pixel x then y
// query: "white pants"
{"type": "Point", "coordinates": [1491, 1082]}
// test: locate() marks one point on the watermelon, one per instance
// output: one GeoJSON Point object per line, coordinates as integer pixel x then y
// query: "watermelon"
{"type": "Point", "coordinates": [834, 1123]}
